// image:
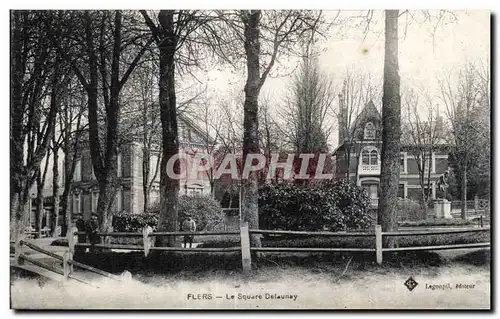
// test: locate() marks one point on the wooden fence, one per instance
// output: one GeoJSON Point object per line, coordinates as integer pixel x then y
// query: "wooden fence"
{"type": "Point", "coordinates": [67, 261]}
{"type": "Point", "coordinates": [474, 207]}
{"type": "Point", "coordinates": [246, 249]}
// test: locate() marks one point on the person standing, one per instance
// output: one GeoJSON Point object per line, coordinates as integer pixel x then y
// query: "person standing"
{"type": "Point", "coordinates": [92, 230]}
{"type": "Point", "coordinates": [189, 225]}
{"type": "Point", "coordinates": [80, 225]}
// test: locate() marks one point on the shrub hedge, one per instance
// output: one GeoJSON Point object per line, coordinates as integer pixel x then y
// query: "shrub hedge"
{"type": "Point", "coordinates": [204, 209]}
{"type": "Point", "coordinates": [330, 205]}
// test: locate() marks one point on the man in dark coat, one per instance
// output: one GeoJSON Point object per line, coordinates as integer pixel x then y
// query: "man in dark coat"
{"type": "Point", "coordinates": [189, 225]}
{"type": "Point", "coordinates": [80, 225]}
{"type": "Point", "coordinates": [92, 228]}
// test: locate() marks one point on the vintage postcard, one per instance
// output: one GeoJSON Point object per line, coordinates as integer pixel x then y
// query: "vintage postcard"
{"type": "Point", "coordinates": [250, 159]}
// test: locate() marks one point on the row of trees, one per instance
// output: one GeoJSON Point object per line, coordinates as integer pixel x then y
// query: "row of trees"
{"type": "Point", "coordinates": [91, 72]}
{"type": "Point", "coordinates": [100, 50]}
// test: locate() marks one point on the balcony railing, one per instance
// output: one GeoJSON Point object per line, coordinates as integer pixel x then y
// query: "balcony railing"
{"type": "Point", "coordinates": [369, 169]}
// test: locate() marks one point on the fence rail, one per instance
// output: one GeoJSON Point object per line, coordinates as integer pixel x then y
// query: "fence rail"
{"type": "Point", "coordinates": [439, 247]}
{"type": "Point", "coordinates": [309, 233]}
{"type": "Point", "coordinates": [246, 248]}
{"type": "Point", "coordinates": [311, 249]}
{"type": "Point", "coordinates": [378, 244]}
{"type": "Point", "coordinates": [67, 259]}
{"type": "Point", "coordinates": [436, 232]}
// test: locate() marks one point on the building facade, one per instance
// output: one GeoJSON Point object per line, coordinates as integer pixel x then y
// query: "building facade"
{"type": "Point", "coordinates": [359, 152]}
{"type": "Point", "coordinates": [130, 193]}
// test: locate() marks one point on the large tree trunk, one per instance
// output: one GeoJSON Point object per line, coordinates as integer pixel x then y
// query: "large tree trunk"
{"type": "Point", "coordinates": [104, 165]}
{"type": "Point", "coordinates": [39, 211]}
{"type": "Point", "coordinates": [69, 169]}
{"type": "Point", "coordinates": [55, 190]}
{"type": "Point", "coordinates": [169, 187]}
{"type": "Point", "coordinates": [107, 192]}
{"type": "Point", "coordinates": [145, 172]}
{"type": "Point", "coordinates": [391, 127]}
{"type": "Point", "coordinates": [423, 200]}
{"type": "Point", "coordinates": [17, 181]}
{"type": "Point", "coordinates": [250, 205]}
{"type": "Point", "coordinates": [66, 211]}
{"type": "Point", "coordinates": [14, 212]}
{"type": "Point", "coordinates": [22, 174]}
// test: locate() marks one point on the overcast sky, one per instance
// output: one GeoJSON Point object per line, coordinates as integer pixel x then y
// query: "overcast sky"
{"type": "Point", "coordinates": [423, 53]}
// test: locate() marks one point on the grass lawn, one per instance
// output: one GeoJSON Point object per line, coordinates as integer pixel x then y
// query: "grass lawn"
{"type": "Point", "coordinates": [316, 282]}
{"type": "Point", "coordinates": [366, 242]}
{"type": "Point", "coordinates": [222, 241]}
{"type": "Point", "coordinates": [437, 222]}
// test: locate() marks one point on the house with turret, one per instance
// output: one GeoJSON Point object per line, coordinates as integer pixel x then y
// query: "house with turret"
{"type": "Point", "coordinates": [358, 156]}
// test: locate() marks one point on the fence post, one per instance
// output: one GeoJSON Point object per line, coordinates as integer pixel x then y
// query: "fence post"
{"type": "Point", "coordinates": [378, 243]}
{"type": "Point", "coordinates": [72, 240]}
{"type": "Point", "coordinates": [476, 204]}
{"type": "Point", "coordinates": [147, 240]}
{"type": "Point", "coordinates": [67, 267]}
{"type": "Point", "coordinates": [18, 250]}
{"type": "Point", "coordinates": [481, 220]}
{"type": "Point", "coordinates": [246, 258]}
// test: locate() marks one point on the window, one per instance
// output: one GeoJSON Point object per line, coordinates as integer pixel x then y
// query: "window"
{"type": "Point", "coordinates": [369, 131]}
{"type": "Point", "coordinates": [365, 155]}
{"type": "Point", "coordinates": [119, 200]}
{"type": "Point", "coordinates": [93, 173]}
{"type": "Point", "coordinates": [95, 197]}
{"type": "Point", "coordinates": [119, 164]}
{"type": "Point", "coordinates": [429, 192]}
{"type": "Point", "coordinates": [77, 175]}
{"type": "Point", "coordinates": [373, 157]}
{"type": "Point", "coordinates": [76, 204]}
{"type": "Point", "coordinates": [402, 163]}
{"type": "Point", "coordinates": [369, 157]}
{"type": "Point", "coordinates": [401, 191]}
{"type": "Point", "coordinates": [430, 162]}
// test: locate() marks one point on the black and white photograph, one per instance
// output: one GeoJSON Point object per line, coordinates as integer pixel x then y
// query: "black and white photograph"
{"type": "Point", "coordinates": [250, 159]}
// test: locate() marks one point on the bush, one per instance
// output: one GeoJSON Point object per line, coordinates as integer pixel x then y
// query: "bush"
{"type": "Point", "coordinates": [436, 222]}
{"type": "Point", "coordinates": [127, 222]}
{"type": "Point", "coordinates": [408, 209]}
{"type": "Point", "coordinates": [205, 210]}
{"type": "Point", "coordinates": [332, 205]}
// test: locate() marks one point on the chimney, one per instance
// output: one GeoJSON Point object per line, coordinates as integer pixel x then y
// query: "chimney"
{"type": "Point", "coordinates": [439, 123]}
{"type": "Point", "coordinates": [342, 119]}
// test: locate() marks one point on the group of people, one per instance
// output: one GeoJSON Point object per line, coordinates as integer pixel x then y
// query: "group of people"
{"type": "Point", "coordinates": [91, 229]}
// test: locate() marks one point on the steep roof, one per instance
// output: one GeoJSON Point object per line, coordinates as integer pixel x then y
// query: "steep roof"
{"type": "Point", "coordinates": [369, 111]}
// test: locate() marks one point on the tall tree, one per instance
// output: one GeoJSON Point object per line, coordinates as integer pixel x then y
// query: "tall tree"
{"type": "Point", "coordinates": [422, 133]}
{"type": "Point", "coordinates": [311, 100]}
{"type": "Point", "coordinates": [467, 107]}
{"type": "Point", "coordinates": [36, 69]}
{"type": "Point", "coordinates": [264, 36]}
{"type": "Point", "coordinates": [70, 132]}
{"type": "Point", "coordinates": [113, 40]}
{"type": "Point", "coordinates": [173, 32]}
{"type": "Point", "coordinates": [391, 126]}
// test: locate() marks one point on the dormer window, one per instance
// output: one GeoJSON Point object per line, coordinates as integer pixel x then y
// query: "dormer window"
{"type": "Point", "coordinates": [369, 131]}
